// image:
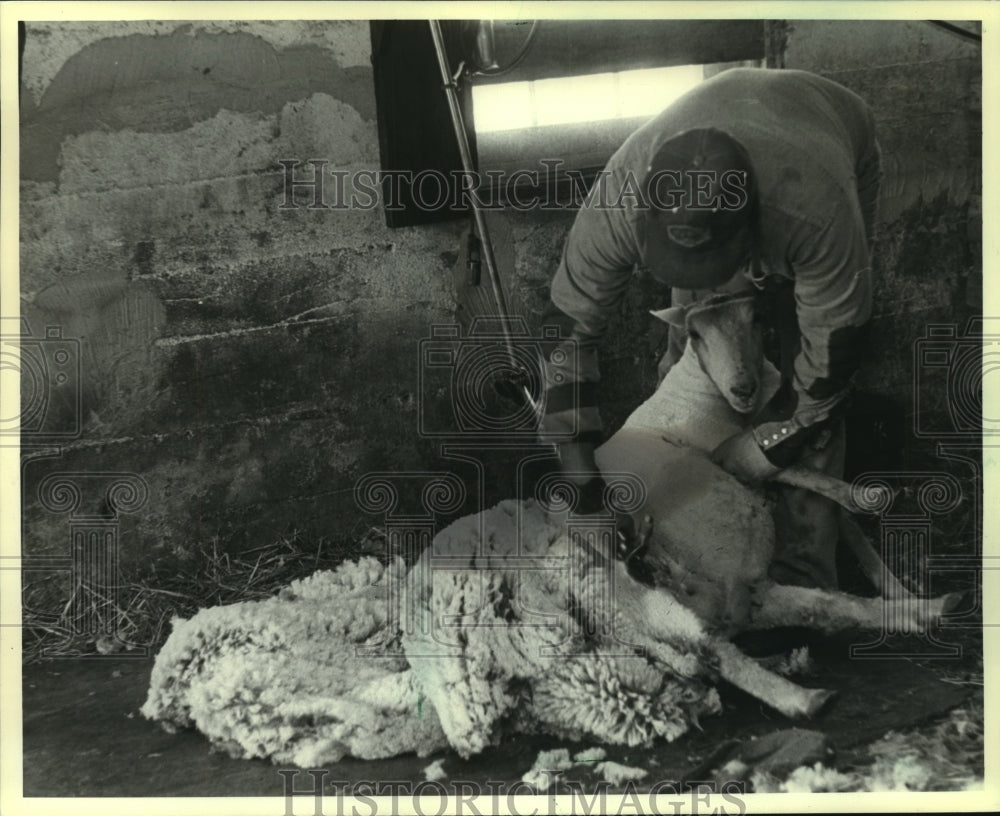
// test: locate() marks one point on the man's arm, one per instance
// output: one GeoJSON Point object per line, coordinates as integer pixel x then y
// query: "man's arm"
{"type": "Point", "coordinates": [590, 281]}
{"type": "Point", "coordinates": [833, 305]}
{"type": "Point", "coordinates": [869, 178]}
{"type": "Point", "coordinates": [594, 272]}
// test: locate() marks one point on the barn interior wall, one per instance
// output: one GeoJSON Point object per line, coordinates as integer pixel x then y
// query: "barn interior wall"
{"type": "Point", "coordinates": [249, 362]}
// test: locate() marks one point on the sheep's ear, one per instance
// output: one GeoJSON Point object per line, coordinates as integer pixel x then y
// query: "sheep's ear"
{"type": "Point", "coordinates": [674, 316]}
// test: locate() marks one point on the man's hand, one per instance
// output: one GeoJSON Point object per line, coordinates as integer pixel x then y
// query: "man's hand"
{"type": "Point", "coordinates": [578, 458]}
{"type": "Point", "coordinates": [741, 455]}
{"type": "Point", "coordinates": [631, 544]}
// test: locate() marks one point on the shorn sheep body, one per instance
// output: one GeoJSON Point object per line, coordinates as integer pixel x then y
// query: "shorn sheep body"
{"type": "Point", "coordinates": [713, 536]}
{"type": "Point", "coordinates": [512, 622]}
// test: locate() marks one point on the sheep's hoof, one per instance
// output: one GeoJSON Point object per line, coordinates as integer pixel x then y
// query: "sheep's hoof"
{"type": "Point", "coordinates": [951, 602]}
{"type": "Point", "coordinates": [817, 700]}
{"type": "Point", "coordinates": [933, 609]}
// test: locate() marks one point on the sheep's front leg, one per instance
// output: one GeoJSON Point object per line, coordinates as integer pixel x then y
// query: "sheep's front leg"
{"type": "Point", "coordinates": [823, 484]}
{"type": "Point", "coordinates": [829, 611]}
{"type": "Point", "coordinates": [783, 695]}
{"type": "Point", "coordinates": [721, 656]}
{"type": "Point", "coordinates": [657, 620]}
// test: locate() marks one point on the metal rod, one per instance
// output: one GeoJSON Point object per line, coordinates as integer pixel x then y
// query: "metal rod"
{"type": "Point", "coordinates": [465, 152]}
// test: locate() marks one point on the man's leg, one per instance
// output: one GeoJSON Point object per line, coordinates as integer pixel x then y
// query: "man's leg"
{"type": "Point", "coordinates": [807, 525]}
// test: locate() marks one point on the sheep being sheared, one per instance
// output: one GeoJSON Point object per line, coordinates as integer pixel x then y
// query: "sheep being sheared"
{"type": "Point", "coordinates": [515, 621]}
{"type": "Point", "coordinates": [714, 536]}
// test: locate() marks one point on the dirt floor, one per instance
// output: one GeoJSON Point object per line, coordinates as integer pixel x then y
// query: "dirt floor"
{"type": "Point", "coordinates": [84, 736]}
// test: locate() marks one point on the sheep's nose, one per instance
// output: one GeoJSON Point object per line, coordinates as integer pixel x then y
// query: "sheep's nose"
{"type": "Point", "coordinates": [744, 392]}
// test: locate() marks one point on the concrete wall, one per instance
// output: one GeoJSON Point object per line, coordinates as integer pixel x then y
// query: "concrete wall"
{"type": "Point", "coordinates": [249, 362]}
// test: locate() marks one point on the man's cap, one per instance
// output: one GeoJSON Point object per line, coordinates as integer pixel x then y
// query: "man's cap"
{"type": "Point", "coordinates": [702, 197]}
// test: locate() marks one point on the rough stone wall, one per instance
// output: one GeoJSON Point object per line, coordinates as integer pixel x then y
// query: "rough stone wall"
{"type": "Point", "coordinates": [249, 362]}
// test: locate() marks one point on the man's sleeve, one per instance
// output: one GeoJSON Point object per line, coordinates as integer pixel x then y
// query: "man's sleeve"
{"type": "Point", "coordinates": [592, 276]}
{"type": "Point", "coordinates": [868, 173]}
{"type": "Point", "coordinates": [833, 302]}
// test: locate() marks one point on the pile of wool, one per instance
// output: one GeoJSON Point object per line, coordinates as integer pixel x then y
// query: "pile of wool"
{"type": "Point", "coordinates": [282, 679]}
{"type": "Point", "coordinates": [502, 627]}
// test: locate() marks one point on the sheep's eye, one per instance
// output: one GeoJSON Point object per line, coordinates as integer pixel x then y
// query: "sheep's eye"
{"type": "Point", "coordinates": [693, 334]}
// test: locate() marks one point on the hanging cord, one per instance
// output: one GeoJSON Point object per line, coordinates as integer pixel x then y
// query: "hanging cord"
{"type": "Point", "coordinates": [465, 151]}
{"type": "Point", "coordinates": [958, 31]}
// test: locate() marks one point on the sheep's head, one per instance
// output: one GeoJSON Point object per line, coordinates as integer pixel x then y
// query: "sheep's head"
{"type": "Point", "coordinates": [726, 335]}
